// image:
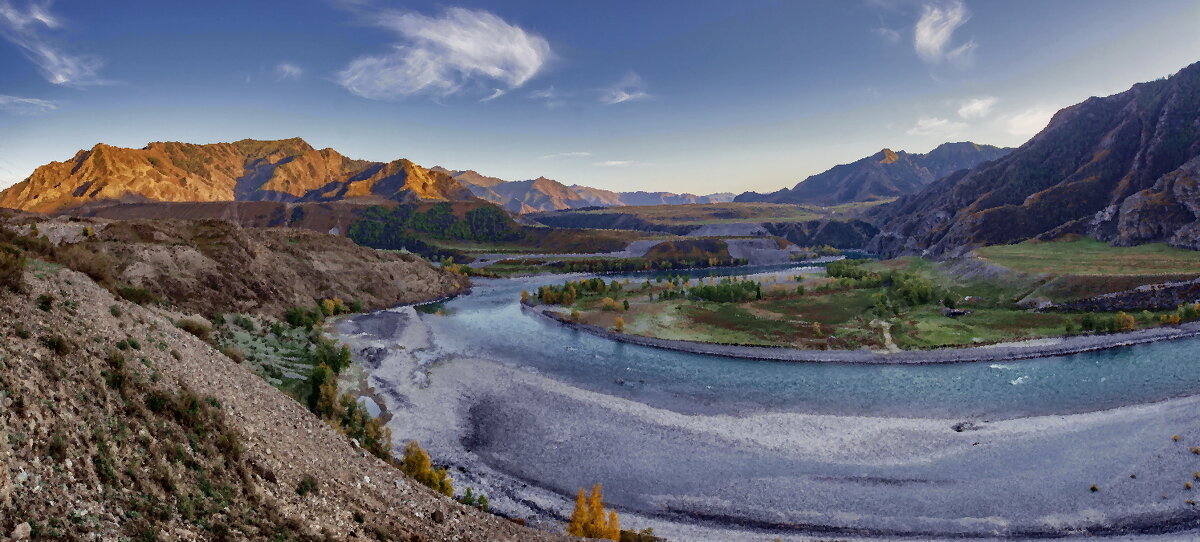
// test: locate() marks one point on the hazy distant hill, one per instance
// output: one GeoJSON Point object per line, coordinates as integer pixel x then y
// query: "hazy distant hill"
{"type": "Point", "coordinates": [246, 170]}
{"type": "Point", "coordinates": [542, 194]}
{"type": "Point", "coordinates": [885, 174]}
{"type": "Point", "coordinates": [1124, 168]}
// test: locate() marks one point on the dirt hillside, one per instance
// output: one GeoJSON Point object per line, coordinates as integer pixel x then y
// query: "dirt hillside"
{"type": "Point", "coordinates": [115, 423]}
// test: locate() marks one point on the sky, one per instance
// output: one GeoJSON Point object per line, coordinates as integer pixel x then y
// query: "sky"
{"type": "Point", "coordinates": [683, 96]}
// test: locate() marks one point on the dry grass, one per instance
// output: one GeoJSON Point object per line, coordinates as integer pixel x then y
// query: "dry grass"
{"type": "Point", "coordinates": [1092, 257]}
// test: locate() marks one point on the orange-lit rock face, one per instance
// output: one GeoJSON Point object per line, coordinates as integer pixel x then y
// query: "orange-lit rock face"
{"type": "Point", "coordinates": [284, 170]}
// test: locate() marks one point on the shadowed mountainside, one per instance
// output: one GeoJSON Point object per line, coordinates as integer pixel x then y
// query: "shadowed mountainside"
{"type": "Point", "coordinates": [542, 194]}
{"type": "Point", "coordinates": [1122, 168]}
{"type": "Point", "coordinates": [885, 174]}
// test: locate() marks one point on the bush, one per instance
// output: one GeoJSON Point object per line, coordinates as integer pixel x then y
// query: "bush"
{"type": "Point", "coordinates": [133, 294]}
{"type": "Point", "coordinates": [195, 327]}
{"type": "Point", "coordinates": [244, 323]}
{"type": "Point", "coordinates": [12, 269]}
{"type": "Point", "coordinates": [234, 354]}
{"type": "Point", "coordinates": [417, 465]}
{"type": "Point", "coordinates": [97, 265]}
{"type": "Point", "coordinates": [45, 302]}
{"type": "Point", "coordinates": [308, 484]}
{"type": "Point", "coordinates": [55, 343]}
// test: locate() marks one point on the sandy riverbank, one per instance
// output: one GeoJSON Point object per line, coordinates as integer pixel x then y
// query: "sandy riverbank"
{"type": "Point", "coordinates": [529, 441]}
{"type": "Point", "coordinates": [1010, 351]}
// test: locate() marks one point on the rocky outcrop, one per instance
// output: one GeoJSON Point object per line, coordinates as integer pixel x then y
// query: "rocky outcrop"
{"type": "Point", "coordinates": [843, 234]}
{"type": "Point", "coordinates": [1167, 212]}
{"type": "Point", "coordinates": [885, 174]}
{"type": "Point", "coordinates": [247, 170]}
{"type": "Point", "coordinates": [1121, 168]}
{"type": "Point", "coordinates": [1160, 296]}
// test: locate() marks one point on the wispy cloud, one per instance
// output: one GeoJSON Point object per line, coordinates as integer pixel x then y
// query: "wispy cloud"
{"type": "Point", "coordinates": [933, 126]}
{"type": "Point", "coordinates": [26, 28]}
{"type": "Point", "coordinates": [288, 71]}
{"type": "Point", "coordinates": [26, 106]}
{"type": "Point", "coordinates": [628, 89]}
{"type": "Point", "coordinates": [977, 108]}
{"type": "Point", "coordinates": [614, 163]}
{"type": "Point", "coordinates": [573, 154]}
{"type": "Point", "coordinates": [933, 34]}
{"type": "Point", "coordinates": [551, 97]}
{"type": "Point", "coordinates": [888, 34]}
{"type": "Point", "coordinates": [461, 50]}
{"type": "Point", "coordinates": [1028, 122]}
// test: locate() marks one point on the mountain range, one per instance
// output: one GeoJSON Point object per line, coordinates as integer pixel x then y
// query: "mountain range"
{"type": "Point", "coordinates": [1123, 168]}
{"type": "Point", "coordinates": [884, 175]}
{"type": "Point", "coordinates": [246, 170]}
{"type": "Point", "coordinates": [542, 194]}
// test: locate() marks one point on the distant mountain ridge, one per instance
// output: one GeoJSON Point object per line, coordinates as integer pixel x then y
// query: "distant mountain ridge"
{"type": "Point", "coordinates": [542, 194]}
{"type": "Point", "coordinates": [883, 175]}
{"type": "Point", "coordinates": [246, 170]}
{"type": "Point", "coordinates": [1123, 168]}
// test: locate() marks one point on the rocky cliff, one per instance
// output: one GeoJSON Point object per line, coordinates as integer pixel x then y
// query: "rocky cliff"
{"type": "Point", "coordinates": [1122, 168]}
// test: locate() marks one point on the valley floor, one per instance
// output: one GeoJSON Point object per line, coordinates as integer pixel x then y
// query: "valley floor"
{"type": "Point", "coordinates": [735, 474]}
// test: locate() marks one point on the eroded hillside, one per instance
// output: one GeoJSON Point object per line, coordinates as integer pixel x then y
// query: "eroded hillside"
{"type": "Point", "coordinates": [119, 421]}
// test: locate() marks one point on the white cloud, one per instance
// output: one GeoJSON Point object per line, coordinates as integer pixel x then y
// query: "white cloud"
{"type": "Point", "coordinates": [977, 108]}
{"type": "Point", "coordinates": [1028, 122]}
{"type": "Point", "coordinates": [549, 96]}
{"type": "Point", "coordinates": [614, 163]}
{"type": "Point", "coordinates": [934, 33]}
{"type": "Point", "coordinates": [26, 106]}
{"type": "Point", "coordinates": [889, 35]}
{"type": "Point", "coordinates": [933, 126]}
{"type": "Point", "coordinates": [628, 89]}
{"type": "Point", "coordinates": [287, 70]}
{"type": "Point", "coordinates": [25, 29]}
{"type": "Point", "coordinates": [573, 154]}
{"type": "Point", "coordinates": [462, 50]}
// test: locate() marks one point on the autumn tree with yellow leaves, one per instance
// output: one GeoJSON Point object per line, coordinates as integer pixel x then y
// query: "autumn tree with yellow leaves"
{"type": "Point", "coordinates": [591, 520]}
{"type": "Point", "coordinates": [416, 463]}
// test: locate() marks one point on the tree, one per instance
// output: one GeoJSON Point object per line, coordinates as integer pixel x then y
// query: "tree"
{"type": "Point", "coordinates": [1125, 322]}
{"type": "Point", "coordinates": [589, 519]}
{"type": "Point", "coordinates": [417, 465]}
{"type": "Point", "coordinates": [619, 324]}
{"type": "Point", "coordinates": [524, 297]}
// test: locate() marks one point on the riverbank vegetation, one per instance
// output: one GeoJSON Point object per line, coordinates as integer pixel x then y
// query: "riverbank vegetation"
{"type": "Point", "coordinates": [920, 303]}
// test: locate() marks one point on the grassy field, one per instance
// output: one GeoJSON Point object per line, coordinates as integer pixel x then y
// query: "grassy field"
{"type": "Point", "coordinates": [1092, 257]}
{"type": "Point", "coordinates": [719, 213]}
{"type": "Point", "coordinates": [828, 315]}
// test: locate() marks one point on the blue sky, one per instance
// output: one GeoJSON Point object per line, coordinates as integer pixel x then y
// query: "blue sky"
{"type": "Point", "coordinates": [666, 95]}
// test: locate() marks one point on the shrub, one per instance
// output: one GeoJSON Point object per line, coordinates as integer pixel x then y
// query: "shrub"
{"type": "Point", "coordinates": [134, 294]}
{"type": "Point", "coordinates": [234, 354]}
{"type": "Point", "coordinates": [244, 323]}
{"type": "Point", "coordinates": [22, 332]}
{"type": "Point", "coordinates": [97, 265]}
{"type": "Point", "coordinates": [45, 302]}
{"type": "Point", "coordinates": [12, 268]}
{"type": "Point", "coordinates": [55, 343]}
{"type": "Point", "coordinates": [195, 327]}
{"type": "Point", "coordinates": [114, 310]}
{"type": "Point", "coordinates": [308, 484]}
{"type": "Point", "coordinates": [417, 465]}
